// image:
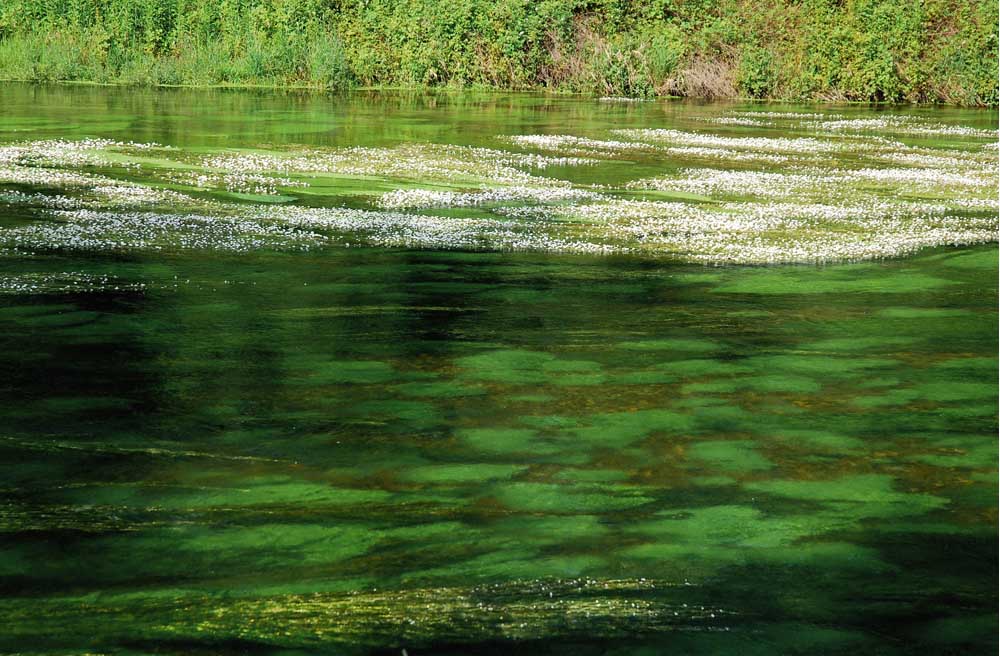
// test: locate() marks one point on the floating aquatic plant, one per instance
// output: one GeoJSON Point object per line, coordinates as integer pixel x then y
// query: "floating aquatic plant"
{"type": "Point", "coordinates": [839, 193]}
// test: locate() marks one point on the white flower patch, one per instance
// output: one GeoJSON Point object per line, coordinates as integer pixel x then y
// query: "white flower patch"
{"type": "Point", "coordinates": [525, 212]}
{"type": "Point", "coordinates": [574, 144]}
{"type": "Point", "coordinates": [44, 177]}
{"type": "Point", "coordinates": [900, 125]}
{"type": "Point", "coordinates": [775, 232]}
{"type": "Point", "coordinates": [93, 230]}
{"type": "Point", "coordinates": [922, 178]}
{"type": "Point", "coordinates": [426, 198]}
{"type": "Point", "coordinates": [839, 123]}
{"type": "Point", "coordinates": [41, 163]}
{"type": "Point", "coordinates": [733, 183]}
{"type": "Point", "coordinates": [945, 171]}
{"type": "Point", "coordinates": [617, 148]}
{"type": "Point", "coordinates": [803, 145]}
{"type": "Point", "coordinates": [975, 204]}
{"type": "Point", "coordinates": [396, 229]}
{"type": "Point", "coordinates": [130, 194]}
{"type": "Point", "coordinates": [427, 162]}
{"type": "Point", "coordinates": [837, 198]}
{"type": "Point", "coordinates": [828, 247]}
{"type": "Point", "coordinates": [245, 183]}
{"type": "Point", "coordinates": [66, 153]}
{"type": "Point", "coordinates": [622, 99]}
{"type": "Point", "coordinates": [70, 154]}
{"type": "Point", "coordinates": [947, 160]}
{"type": "Point", "coordinates": [747, 121]}
{"type": "Point", "coordinates": [727, 155]}
{"type": "Point", "coordinates": [91, 190]}
{"type": "Point", "coordinates": [786, 115]}
{"type": "Point", "coordinates": [38, 200]}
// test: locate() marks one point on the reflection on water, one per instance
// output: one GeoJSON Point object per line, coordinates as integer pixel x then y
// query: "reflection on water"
{"type": "Point", "coordinates": [364, 450]}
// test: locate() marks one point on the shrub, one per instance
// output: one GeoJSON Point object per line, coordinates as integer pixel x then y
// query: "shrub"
{"type": "Point", "coordinates": [932, 50]}
{"type": "Point", "coordinates": [666, 47]}
{"type": "Point", "coordinates": [328, 64]}
{"type": "Point", "coordinates": [620, 72]}
{"type": "Point", "coordinates": [756, 75]}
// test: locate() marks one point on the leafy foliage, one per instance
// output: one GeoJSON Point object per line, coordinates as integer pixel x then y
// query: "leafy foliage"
{"type": "Point", "coordinates": [864, 50]}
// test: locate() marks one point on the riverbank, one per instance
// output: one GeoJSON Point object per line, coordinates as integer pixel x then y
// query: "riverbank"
{"type": "Point", "coordinates": [353, 373]}
{"type": "Point", "coordinates": [940, 51]}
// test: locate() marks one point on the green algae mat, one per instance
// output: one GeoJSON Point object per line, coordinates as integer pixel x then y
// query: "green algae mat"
{"type": "Point", "coordinates": [459, 374]}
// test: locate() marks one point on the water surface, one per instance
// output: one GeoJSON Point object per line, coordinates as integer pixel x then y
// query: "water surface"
{"type": "Point", "coordinates": [359, 450]}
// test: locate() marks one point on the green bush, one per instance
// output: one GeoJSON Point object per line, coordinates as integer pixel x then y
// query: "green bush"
{"type": "Point", "coordinates": [665, 51]}
{"type": "Point", "coordinates": [892, 50]}
{"type": "Point", "coordinates": [620, 72]}
{"type": "Point", "coordinates": [756, 76]}
{"type": "Point", "coordinates": [328, 63]}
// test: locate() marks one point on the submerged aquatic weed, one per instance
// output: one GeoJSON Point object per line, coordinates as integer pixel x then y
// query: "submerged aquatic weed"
{"type": "Point", "coordinates": [516, 609]}
{"type": "Point", "coordinates": [62, 282]}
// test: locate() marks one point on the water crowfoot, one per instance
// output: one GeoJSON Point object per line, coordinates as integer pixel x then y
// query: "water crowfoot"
{"type": "Point", "coordinates": [825, 197]}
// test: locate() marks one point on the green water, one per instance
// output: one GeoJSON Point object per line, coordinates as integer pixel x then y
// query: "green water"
{"type": "Point", "coordinates": [369, 449]}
